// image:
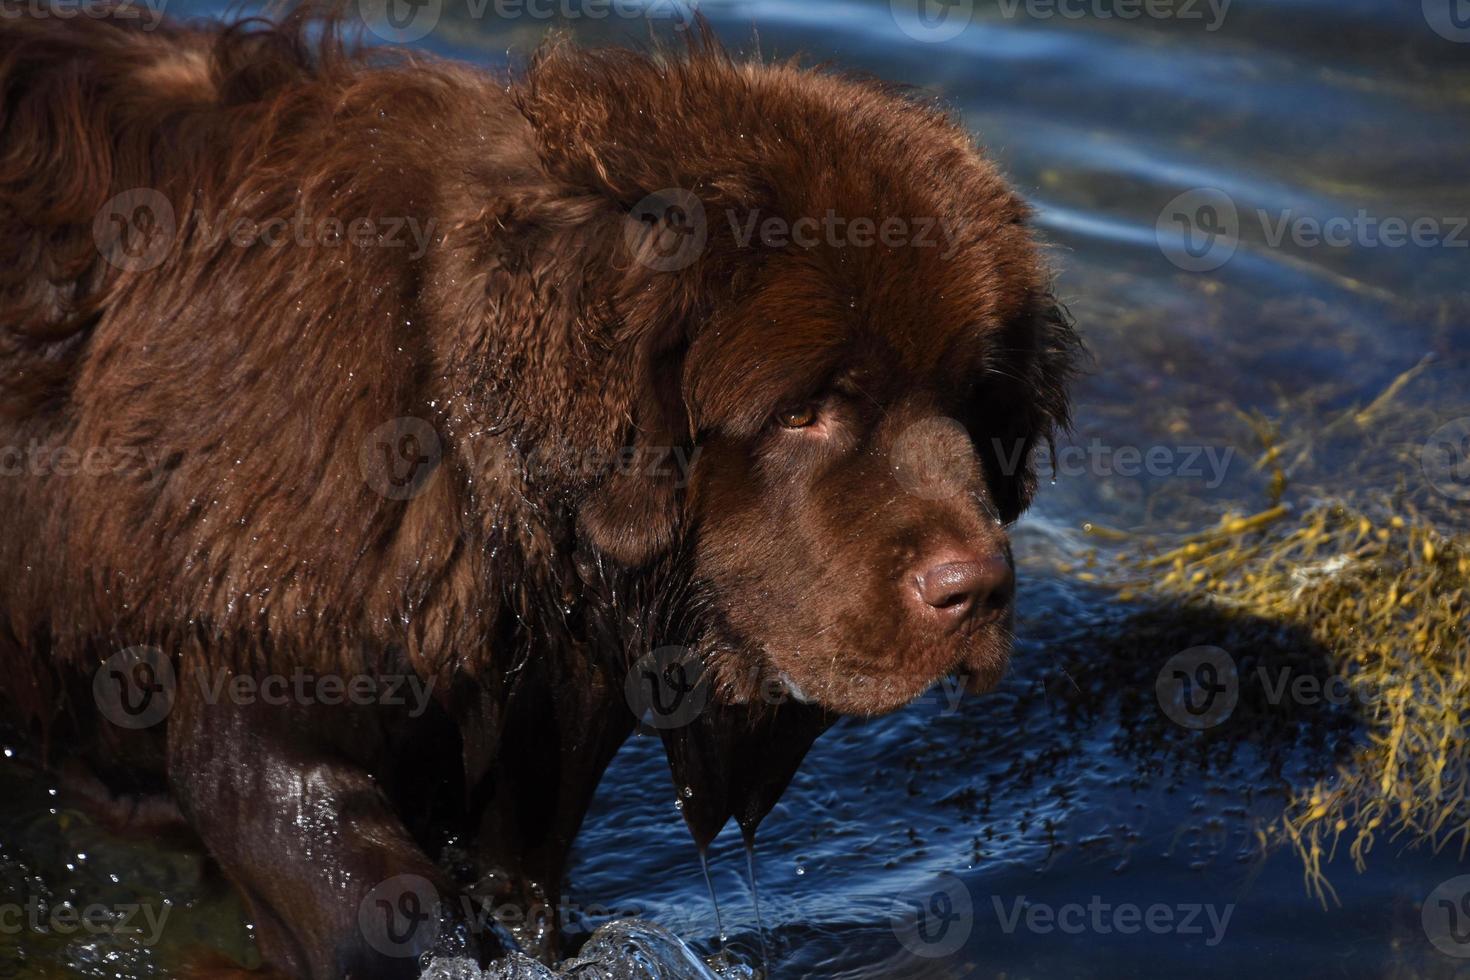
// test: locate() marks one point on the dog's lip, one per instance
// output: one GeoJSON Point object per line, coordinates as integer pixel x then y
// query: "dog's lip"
{"type": "Point", "coordinates": [983, 669]}
{"type": "Point", "coordinates": [977, 682]}
{"type": "Point", "coordinates": [978, 667]}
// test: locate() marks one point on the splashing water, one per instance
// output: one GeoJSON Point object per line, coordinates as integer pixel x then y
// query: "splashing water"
{"type": "Point", "coordinates": [627, 949]}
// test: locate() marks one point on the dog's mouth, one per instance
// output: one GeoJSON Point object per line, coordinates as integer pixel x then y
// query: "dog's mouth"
{"type": "Point", "coordinates": [858, 657]}
{"type": "Point", "coordinates": [736, 754]}
{"type": "Point", "coordinates": [984, 669]}
{"type": "Point", "coordinates": [865, 686]}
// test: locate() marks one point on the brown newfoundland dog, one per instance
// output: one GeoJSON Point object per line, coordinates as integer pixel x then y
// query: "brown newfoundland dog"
{"type": "Point", "coordinates": [381, 436]}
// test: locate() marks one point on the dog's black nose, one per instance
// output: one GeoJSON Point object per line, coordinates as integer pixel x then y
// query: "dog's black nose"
{"type": "Point", "coordinates": [967, 585]}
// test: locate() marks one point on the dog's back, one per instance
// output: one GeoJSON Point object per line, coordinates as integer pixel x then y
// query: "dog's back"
{"type": "Point", "coordinates": [210, 245]}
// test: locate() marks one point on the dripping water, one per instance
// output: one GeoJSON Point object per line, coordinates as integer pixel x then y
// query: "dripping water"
{"type": "Point", "coordinates": [755, 901]}
{"type": "Point", "coordinates": [710, 884]}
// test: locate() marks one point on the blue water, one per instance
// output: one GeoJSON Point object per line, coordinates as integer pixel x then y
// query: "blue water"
{"type": "Point", "coordinates": [1053, 794]}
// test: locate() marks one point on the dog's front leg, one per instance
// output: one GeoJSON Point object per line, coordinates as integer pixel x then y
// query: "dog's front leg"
{"type": "Point", "coordinates": [336, 887]}
{"type": "Point", "coordinates": [565, 723]}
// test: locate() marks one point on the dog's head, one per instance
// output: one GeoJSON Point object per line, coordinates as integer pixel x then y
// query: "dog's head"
{"type": "Point", "coordinates": [840, 308]}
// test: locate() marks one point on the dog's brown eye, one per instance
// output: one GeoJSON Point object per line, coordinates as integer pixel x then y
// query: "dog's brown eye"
{"type": "Point", "coordinates": [797, 418]}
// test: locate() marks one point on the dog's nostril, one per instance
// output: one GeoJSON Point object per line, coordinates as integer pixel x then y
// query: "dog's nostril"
{"type": "Point", "coordinates": [957, 588]}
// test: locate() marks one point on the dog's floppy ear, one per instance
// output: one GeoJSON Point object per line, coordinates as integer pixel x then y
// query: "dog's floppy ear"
{"type": "Point", "coordinates": [615, 125]}
{"type": "Point", "coordinates": [1027, 403]}
{"type": "Point", "coordinates": [635, 513]}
